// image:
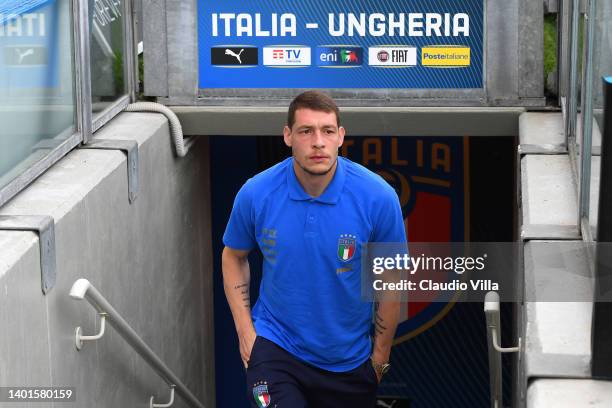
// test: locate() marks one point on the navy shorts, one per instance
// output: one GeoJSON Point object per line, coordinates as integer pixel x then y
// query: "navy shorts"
{"type": "Point", "coordinates": [276, 379]}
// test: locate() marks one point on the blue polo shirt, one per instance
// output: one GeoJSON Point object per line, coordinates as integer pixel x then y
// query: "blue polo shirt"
{"type": "Point", "coordinates": [310, 295]}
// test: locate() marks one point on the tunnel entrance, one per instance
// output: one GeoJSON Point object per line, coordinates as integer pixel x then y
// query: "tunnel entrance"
{"type": "Point", "coordinates": [451, 189]}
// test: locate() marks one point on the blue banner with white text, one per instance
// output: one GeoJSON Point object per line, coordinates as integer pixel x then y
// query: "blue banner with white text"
{"type": "Point", "coordinates": [29, 42]}
{"type": "Point", "coordinates": [414, 44]}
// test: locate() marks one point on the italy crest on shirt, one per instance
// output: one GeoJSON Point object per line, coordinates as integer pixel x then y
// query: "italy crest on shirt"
{"type": "Point", "coordinates": [346, 247]}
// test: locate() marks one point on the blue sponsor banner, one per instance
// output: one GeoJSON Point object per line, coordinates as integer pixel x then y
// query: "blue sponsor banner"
{"type": "Point", "coordinates": [419, 44]}
{"type": "Point", "coordinates": [29, 44]}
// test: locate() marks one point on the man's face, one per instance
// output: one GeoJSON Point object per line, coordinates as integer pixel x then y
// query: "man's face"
{"type": "Point", "coordinates": [314, 140]}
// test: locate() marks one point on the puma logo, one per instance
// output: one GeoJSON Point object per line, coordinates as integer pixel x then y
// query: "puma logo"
{"type": "Point", "coordinates": [22, 55]}
{"type": "Point", "coordinates": [233, 54]}
{"type": "Point", "coordinates": [383, 404]}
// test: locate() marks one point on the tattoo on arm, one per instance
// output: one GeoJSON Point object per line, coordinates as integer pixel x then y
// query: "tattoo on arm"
{"type": "Point", "coordinates": [380, 327]}
{"type": "Point", "coordinates": [379, 322]}
{"type": "Point", "coordinates": [244, 291]}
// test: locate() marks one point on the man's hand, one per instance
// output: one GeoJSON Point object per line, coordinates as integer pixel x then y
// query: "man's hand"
{"type": "Point", "coordinates": [378, 361]}
{"type": "Point", "coordinates": [385, 323]}
{"type": "Point", "coordinates": [378, 374]}
{"type": "Point", "coordinates": [246, 339]}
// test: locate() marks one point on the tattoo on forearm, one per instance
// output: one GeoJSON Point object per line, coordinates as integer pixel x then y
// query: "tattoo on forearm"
{"type": "Point", "coordinates": [247, 302]}
{"type": "Point", "coordinates": [380, 327]}
{"type": "Point", "coordinates": [244, 291]}
{"type": "Point", "coordinates": [379, 322]}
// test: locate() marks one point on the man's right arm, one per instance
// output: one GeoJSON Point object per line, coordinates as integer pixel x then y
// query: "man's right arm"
{"type": "Point", "coordinates": [236, 280]}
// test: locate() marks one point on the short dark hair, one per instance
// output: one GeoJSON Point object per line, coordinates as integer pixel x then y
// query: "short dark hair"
{"type": "Point", "coordinates": [315, 100]}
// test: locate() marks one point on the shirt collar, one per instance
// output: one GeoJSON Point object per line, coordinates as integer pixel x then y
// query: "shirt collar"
{"type": "Point", "coordinates": [331, 193]}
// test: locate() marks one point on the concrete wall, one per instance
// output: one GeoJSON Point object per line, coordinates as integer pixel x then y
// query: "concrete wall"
{"type": "Point", "coordinates": [556, 356]}
{"type": "Point", "coordinates": [151, 259]}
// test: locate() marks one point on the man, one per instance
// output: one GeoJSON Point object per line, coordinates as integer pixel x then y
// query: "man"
{"type": "Point", "coordinates": [307, 341]}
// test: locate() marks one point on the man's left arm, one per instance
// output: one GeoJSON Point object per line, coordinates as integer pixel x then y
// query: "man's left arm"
{"type": "Point", "coordinates": [390, 228]}
{"type": "Point", "coordinates": [386, 319]}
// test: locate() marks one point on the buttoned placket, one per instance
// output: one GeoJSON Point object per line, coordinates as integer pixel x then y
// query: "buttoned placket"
{"type": "Point", "coordinates": [311, 218]}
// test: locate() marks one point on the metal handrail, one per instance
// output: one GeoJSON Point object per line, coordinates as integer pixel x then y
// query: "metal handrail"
{"type": "Point", "coordinates": [491, 309]}
{"type": "Point", "coordinates": [82, 288]}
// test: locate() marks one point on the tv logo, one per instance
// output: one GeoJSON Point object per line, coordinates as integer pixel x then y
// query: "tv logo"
{"type": "Point", "coordinates": [279, 56]}
{"type": "Point", "coordinates": [345, 57]}
{"type": "Point", "coordinates": [392, 56]}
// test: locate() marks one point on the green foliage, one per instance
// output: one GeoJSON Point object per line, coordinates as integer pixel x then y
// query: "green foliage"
{"type": "Point", "coordinates": [550, 44]}
{"type": "Point", "coordinates": [140, 91]}
{"type": "Point", "coordinates": [119, 82]}
{"type": "Point", "coordinates": [118, 73]}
